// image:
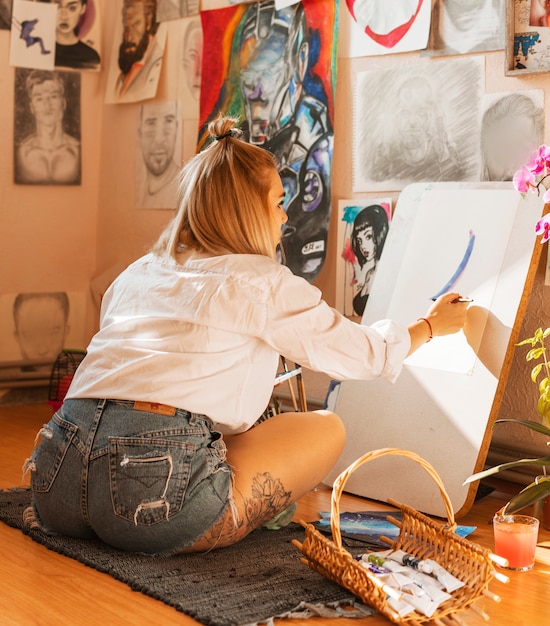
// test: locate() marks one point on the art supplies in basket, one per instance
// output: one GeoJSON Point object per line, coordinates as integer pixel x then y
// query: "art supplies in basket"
{"type": "Point", "coordinates": [420, 538]}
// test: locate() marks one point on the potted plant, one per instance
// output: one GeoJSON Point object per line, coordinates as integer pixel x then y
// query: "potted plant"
{"type": "Point", "coordinates": [539, 489]}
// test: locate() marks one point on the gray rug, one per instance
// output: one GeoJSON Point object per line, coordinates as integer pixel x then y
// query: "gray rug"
{"type": "Point", "coordinates": [249, 583]}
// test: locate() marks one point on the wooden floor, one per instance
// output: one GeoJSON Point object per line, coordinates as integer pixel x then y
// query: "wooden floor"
{"type": "Point", "coordinates": [39, 587]}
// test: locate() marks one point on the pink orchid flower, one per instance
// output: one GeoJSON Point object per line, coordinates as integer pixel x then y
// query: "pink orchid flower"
{"type": "Point", "coordinates": [542, 227]}
{"type": "Point", "coordinates": [524, 180]}
{"type": "Point", "coordinates": [540, 161]}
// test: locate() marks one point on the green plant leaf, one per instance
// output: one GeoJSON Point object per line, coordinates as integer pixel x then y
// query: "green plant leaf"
{"type": "Point", "coordinates": [534, 354]}
{"type": "Point", "coordinates": [527, 496]}
{"type": "Point", "coordinates": [544, 460]}
{"type": "Point", "coordinates": [535, 372]}
{"type": "Point", "coordinates": [536, 426]}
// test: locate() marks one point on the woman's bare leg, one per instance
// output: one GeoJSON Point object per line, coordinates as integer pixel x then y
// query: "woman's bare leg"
{"type": "Point", "coordinates": [274, 464]}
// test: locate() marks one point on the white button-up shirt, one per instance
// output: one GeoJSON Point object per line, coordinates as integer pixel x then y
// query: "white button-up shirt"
{"type": "Point", "coordinates": [206, 335]}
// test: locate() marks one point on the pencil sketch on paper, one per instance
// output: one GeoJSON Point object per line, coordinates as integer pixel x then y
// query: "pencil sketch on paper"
{"type": "Point", "coordinates": [47, 129]}
{"type": "Point", "coordinates": [176, 9]}
{"type": "Point", "coordinates": [459, 27]}
{"type": "Point", "coordinates": [38, 325]}
{"type": "Point", "coordinates": [190, 68]}
{"type": "Point", "coordinates": [512, 128]}
{"type": "Point", "coordinates": [417, 124]}
{"type": "Point", "coordinates": [157, 169]}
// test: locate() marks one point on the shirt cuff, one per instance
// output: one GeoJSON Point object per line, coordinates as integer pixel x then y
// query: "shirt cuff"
{"type": "Point", "coordinates": [398, 344]}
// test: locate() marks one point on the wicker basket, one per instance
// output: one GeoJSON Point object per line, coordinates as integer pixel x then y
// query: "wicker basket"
{"type": "Point", "coordinates": [420, 536]}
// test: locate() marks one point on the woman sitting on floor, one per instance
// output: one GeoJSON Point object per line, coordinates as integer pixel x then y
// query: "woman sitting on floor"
{"type": "Point", "coordinates": [155, 448]}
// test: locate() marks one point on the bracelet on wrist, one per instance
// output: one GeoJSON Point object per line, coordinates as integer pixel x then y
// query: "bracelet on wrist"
{"type": "Point", "coordinates": [423, 319]}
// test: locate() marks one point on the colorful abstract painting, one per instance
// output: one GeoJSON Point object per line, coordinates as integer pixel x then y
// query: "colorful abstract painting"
{"type": "Point", "coordinates": [275, 71]}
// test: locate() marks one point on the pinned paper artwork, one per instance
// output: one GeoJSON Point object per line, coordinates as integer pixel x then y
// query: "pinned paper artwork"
{"type": "Point", "coordinates": [512, 128]}
{"type": "Point", "coordinates": [373, 27]}
{"type": "Point", "coordinates": [32, 41]}
{"type": "Point", "coordinates": [137, 53]}
{"type": "Point", "coordinates": [459, 27]}
{"type": "Point", "coordinates": [175, 9]}
{"type": "Point", "coordinates": [275, 70]}
{"type": "Point", "coordinates": [362, 230]}
{"type": "Point", "coordinates": [38, 325]}
{"type": "Point", "coordinates": [157, 168]}
{"type": "Point", "coordinates": [417, 123]}
{"type": "Point", "coordinates": [47, 129]}
{"type": "Point", "coordinates": [190, 67]}
{"type": "Point", "coordinates": [77, 34]}
{"type": "Point", "coordinates": [5, 14]}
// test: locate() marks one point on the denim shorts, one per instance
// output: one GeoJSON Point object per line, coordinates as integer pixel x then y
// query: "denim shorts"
{"type": "Point", "coordinates": [141, 477]}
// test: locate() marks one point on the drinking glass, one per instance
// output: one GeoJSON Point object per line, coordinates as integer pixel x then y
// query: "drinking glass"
{"type": "Point", "coordinates": [516, 539]}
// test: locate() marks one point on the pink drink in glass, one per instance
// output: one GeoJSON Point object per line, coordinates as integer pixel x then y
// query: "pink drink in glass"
{"type": "Point", "coordinates": [516, 539]}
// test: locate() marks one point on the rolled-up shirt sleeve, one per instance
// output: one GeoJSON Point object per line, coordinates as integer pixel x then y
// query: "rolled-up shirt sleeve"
{"type": "Point", "coordinates": [301, 326]}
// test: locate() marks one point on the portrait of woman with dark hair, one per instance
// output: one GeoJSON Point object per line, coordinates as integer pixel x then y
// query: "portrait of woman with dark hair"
{"type": "Point", "coordinates": [368, 236]}
{"type": "Point", "coordinates": [70, 50]}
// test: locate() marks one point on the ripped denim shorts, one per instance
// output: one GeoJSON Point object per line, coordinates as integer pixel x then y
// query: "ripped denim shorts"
{"type": "Point", "coordinates": [142, 477]}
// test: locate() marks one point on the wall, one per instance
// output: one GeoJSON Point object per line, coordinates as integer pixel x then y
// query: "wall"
{"type": "Point", "coordinates": [49, 233]}
{"type": "Point", "coordinates": [53, 235]}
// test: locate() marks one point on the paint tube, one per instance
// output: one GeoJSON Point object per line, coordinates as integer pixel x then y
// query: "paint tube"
{"type": "Point", "coordinates": [404, 574]}
{"type": "Point", "coordinates": [375, 568]}
{"type": "Point", "coordinates": [401, 607]}
{"type": "Point", "coordinates": [411, 561]}
{"type": "Point", "coordinates": [420, 601]}
{"type": "Point", "coordinates": [450, 583]}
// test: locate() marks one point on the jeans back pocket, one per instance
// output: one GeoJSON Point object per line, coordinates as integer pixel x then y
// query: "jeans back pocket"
{"type": "Point", "coordinates": [149, 477]}
{"type": "Point", "coordinates": [50, 452]}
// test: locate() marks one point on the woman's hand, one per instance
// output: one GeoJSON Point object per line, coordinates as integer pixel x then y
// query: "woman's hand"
{"type": "Point", "coordinates": [446, 316]}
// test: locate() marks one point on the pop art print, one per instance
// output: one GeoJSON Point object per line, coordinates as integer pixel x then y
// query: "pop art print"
{"type": "Point", "coordinates": [363, 226]}
{"type": "Point", "coordinates": [275, 70]}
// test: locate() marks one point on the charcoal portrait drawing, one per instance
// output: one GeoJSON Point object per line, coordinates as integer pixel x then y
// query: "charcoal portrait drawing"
{"type": "Point", "coordinates": [47, 128]}
{"type": "Point", "coordinates": [512, 128]}
{"type": "Point", "coordinates": [418, 124]}
{"type": "Point", "coordinates": [463, 26]}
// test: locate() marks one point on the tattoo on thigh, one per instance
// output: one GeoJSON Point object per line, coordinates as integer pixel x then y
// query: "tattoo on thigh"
{"type": "Point", "coordinates": [268, 498]}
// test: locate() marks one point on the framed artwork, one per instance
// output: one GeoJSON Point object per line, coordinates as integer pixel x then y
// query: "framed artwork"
{"type": "Point", "coordinates": [527, 37]}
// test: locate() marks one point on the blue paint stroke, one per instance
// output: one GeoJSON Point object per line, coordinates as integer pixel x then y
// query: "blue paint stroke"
{"type": "Point", "coordinates": [460, 269]}
{"type": "Point", "coordinates": [350, 213]}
